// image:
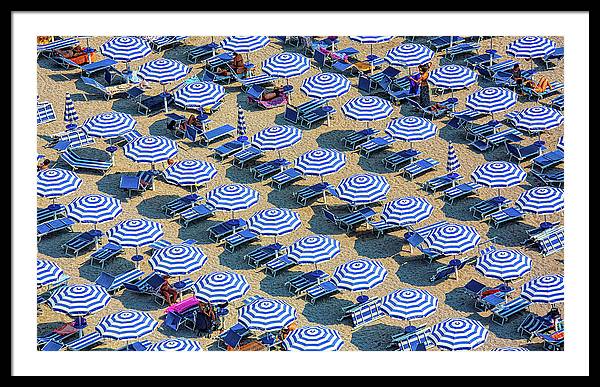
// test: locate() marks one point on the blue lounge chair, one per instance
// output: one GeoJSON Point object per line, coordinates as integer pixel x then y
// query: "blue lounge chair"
{"type": "Point", "coordinates": [441, 182]}
{"type": "Point", "coordinates": [547, 160]}
{"type": "Point", "coordinates": [107, 92]}
{"type": "Point", "coordinates": [197, 212]}
{"type": "Point", "coordinates": [482, 130]}
{"type": "Point", "coordinates": [226, 228]}
{"type": "Point", "coordinates": [376, 144]}
{"type": "Point", "coordinates": [436, 109]}
{"type": "Point", "coordinates": [523, 153]}
{"type": "Point", "coordinates": [154, 104]}
{"type": "Point", "coordinates": [487, 71]}
{"type": "Point", "coordinates": [216, 134]}
{"type": "Point", "coordinates": [397, 159]}
{"type": "Point", "coordinates": [555, 177]}
{"type": "Point", "coordinates": [163, 42]}
{"type": "Point", "coordinates": [464, 118]}
{"type": "Point", "coordinates": [419, 167]}
{"type": "Point", "coordinates": [484, 208]}
{"type": "Point", "coordinates": [558, 102]}
{"type": "Point", "coordinates": [558, 54]}
{"type": "Point", "coordinates": [533, 324]}
{"type": "Point", "coordinates": [112, 283]}
{"type": "Point", "coordinates": [77, 162]}
{"type": "Point", "coordinates": [247, 155]}
{"type": "Point", "coordinates": [277, 264]}
{"type": "Point", "coordinates": [504, 311]}
{"type": "Point", "coordinates": [381, 227]}
{"type": "Point", "coordinates": [552, 343]}
{"type": "Point", "coordinates": [486, 58]}
{"type": "Point", "coordinates": [106, 252]}
{"type": "Point", "coordinates": [320, 290]}
{"type": "Point", "coordinates": [71, 139]}
{"type": "Point", "coordinates": [552, 243]}
{"type": "Point", "coordinates": [52, 345]}
{"type": "Point", "coordinates": [484, 143]}
{"type": "Point", "coordinates": [305, 280]}
{"type": "Point", "coordinates": [258, 256]}
{"type": "Point", "coordinates": [51, 213]}
{"type": "Point", "coordinates": [45, 113]}
{"type": "Point", "coordinates": [417, 341]}
{"type": "Point", "coordinates": [441, 42]}
{"type": "Point", "coordinates": [286, 177]}
{"type": "Point", "coordinates": [202, 52]}
{"type": "Point", "coordinates": [356, 138]}
{"type": "Point", "coordinates": [54, 226]}
{"type": "Point", "coordinates": [174, 207]}
{"type": "Point", "coordinates": [461, 48]}
{"type": "Point", "coordinates": [460, 191]}
{"type": "Point", "coordinates": [238, 239]}
{"type": "Point", "coordinates": [85, 342]}
{"type": "Point", "coordinates": [504, 216]}
{"type": "Point", "coordinates": [320, 114]}
{"type": "Point", "coordinates": [266, 169]}
{"type": "Point", "coordinates": [366, 313]}
{"type": "Point", "coordinates": [233, 336]}
{"type": "Point", "coordinates": [140, 182]}
{"type": "Point", "coordinates": [445, 271]}
{"type": "Point", "coordinates": [249, 82]}
{"type": "Point", "coordinates": [314, 191]}
{"type": "Point", "coordinates": [555, 87]}
{"type": "Point", "coordinates": [228, 149]}
{"type": "Point", "coordinates": [350, 222]}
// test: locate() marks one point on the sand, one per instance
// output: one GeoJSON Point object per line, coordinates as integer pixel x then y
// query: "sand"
{"type": "Point", "coordinates": [404, 269]}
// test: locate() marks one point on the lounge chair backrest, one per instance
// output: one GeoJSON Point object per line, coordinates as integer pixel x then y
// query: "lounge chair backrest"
{"type": "Point", "coordinates": [155, 281]}
{"type": "Point", "coordinates": [391, 72]}
{"type": "Point", "coordinates": [105, 280]}
{"type": "Point", "coordinates": [291, 114]}
{"type": "Point", "coordinates": [319, 57]}
{"type": "Point", "coordinates": [93, 83]}
{"type": "Point", "coordinates": [364, 84]}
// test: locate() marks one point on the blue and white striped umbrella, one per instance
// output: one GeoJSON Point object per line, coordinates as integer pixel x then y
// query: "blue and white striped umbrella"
{"type": "Point", "coordinates": [178, 344]}
{"type": "Point", "coordinates": [48, 272]}
{"type": "Point", "coordinates": [220, 287]}
{"type": "Point", "coordinates": [453, 164]}
{"type": "Point", "coordinates": [55, 182]}
{"type": "Point", "coordinates": [196, 95]}
{"type": "Point", "coordinates": [409, 55]}
{"type": "Point", "coordinates": [313, 249]}
{"type": "Point", "coordinates": [503, 264]}
{"type": "Point", "coordinates": [498, 174]}
{"type": "Point", "coordinates": [232, 197]}
{"type": "Point", "coordinates": [453, 239]}
{"type": "Point", "coordinates": [163, 70]}
{"type": "Point", "coordinates": [274, 221]}
{"type": "Point", "coordinates": [135, 233]}
{"type": "Point", "coordinates": [70, 115]}
{"type": "Point", "coordinates": [277, 137]}
{"type": "Point", "coordinates": [286, 65]}
{"type": "Point", "coordinates": [452, 77]}
{"type": "Point", "coordinates": [411, 129]}
{"type": "Point", "coordinates": [511, 349]}
{"type": "Point", "coordinates": [266, 314]}
{"type": "Point", "coordinates": [538, 118]}
{"type": "Point", "coordinates": [244, 44]}
{"type": "Point", "coordinates": [409, 304]}
{"type": "Point", "coordinates": [367, 108]}
{"type": "Point", "coordinates": [150, 149]}
{"type": "Point", "coordinates": [79, 299]}
{"type": "Point", "coordinates": [126, 325]}
{"type": "Point", "coordinates": [190, 172]}
{"type": "Point", "coordinates": [491, 99]}
{"type": "Point", "coordinates": [177, 260]}
{"type": "Point", "coordinates": [359, 274]}
{"type": "Point", "coordinates": [320, 162]}
{"type": "Point", "coordinates": [241, 122]}
{"type": "Point", "coordinates": [531, 47]}
{"type": "Point", "coordinates": [126, 48]}
{"type": "Point", "coordinates": [371, 39]}
{"type": "Point", "coordinates": [406, 211]}
{"type": "Point", "coordinates": [313, 338]}
{"type": "Point", "coordinates": [108, 125]}
{"type": "Point", "coordinates": [325, 85]}
{"type": "Point", "coordinates": [459, 334]}
{"type": "Point", "coordinates": [363, 188]}
{"type": "Point", "coordinates": [94, 208]}
{"type": "Point", "coordinates": [541, 200]}
{"type": "Point", "coordinates": [561, 144]}
{"type": "Point", "coordinates": [548, 289]}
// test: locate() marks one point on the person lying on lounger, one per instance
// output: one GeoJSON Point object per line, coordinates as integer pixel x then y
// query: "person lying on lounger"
{"type": "Point", "coordinates": [269, 95]}
{"type": "Point", "coordinates": [540, 87]}
{"type": "Point", "coordinates": [70, 52]}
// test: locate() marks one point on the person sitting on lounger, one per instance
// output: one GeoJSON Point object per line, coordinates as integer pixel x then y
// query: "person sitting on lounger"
{"type": "Point", "coordinates": [167, 291]}
{"type": "Point", "coordinates": [70, 52]}
{"type": "Point", "coordinates": [269, 95]}
{"type": "Point", "coordinates": [43, 165]}
{"type": "Point", "coordinates": [517, 77]}
{"type": "Point", "coordinates": [540, 87]}
{"type": "Point", "coordinates": [237, 65]}
{"type": "Point", "coordinates": [286, 331]}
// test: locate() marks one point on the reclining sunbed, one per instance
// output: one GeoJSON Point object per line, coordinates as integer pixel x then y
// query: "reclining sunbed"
{"type": "Point", "coordinates": [314, 191]}
{"type": "Point", "coordinates": [239, 239]}
{"type": "Point", "coordinates": [258, 256]}
{"type": "Point", "coordinates": [112, 283]}
{"type": "Point", "coordinates": [266, 169]}
{"type": "Point", "coordinates": [77, 162]}
{"type": "Point", "coordinates": [54, 226]}
{"type": "Point", "coordinates": [197, 212]}
{"type": "Point", "coordinates": [304, 281]}
{"type": "Point", "coordinates": [502, 312]}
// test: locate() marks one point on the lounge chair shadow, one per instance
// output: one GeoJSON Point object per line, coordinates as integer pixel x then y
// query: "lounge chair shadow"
{"type": "Point", "coordinates": [141, 302]}
{"type": "Point", "coordinates": [325, 311]}
{"type": "Point", "coordinates": [373, 337]}
{"type": "Point", "coordinates": [374, 164]}
{"type": "Point", "coordinates": [460, 210]}
{"type": "Point", "coordinates": [64, 77]}
{"type": "Point", "coordinates": [178, 52]}
{"type": "Point", "coordinates": [235, 260]}
{"type": "Point", "coordinates": [510, 234]}
{"type": "Point", "coordinates": [283, 198]}
{"type": "Point", "coordinates": [415, 270]}
{"type": "Point", "coordinates": [319, 225]}
{"type": "Point", "coordinates": [506, 331]}
{"type": "Point", "coordinates": [459, 301]}
{"type": "Point", "coordinates": [47, 327]}
{"type": "Point", "coordinates": [197, 230]}
{"type": "Point", "coordinates": [383, 247]}
{"type": "Point", "coordinates": [109, 184]}
{"type": "Point", "coordinates": [275, 286]}
{"type": "Point", "coordinates": [241, 176]}
{"type": "Point", "coordinates": [151, 206]}
{"type": "Point", "coordinates": [51, 245]}
{"type": "Point", "coordinates": [448, 133]}
{"type": "Point", "coordinates": [499, 153]}
{"type": "Point", "coordinates": [116, 265]}
{"type": "Point", "coordinates": [159, 128]}
{"type": "Point", "coordinates": [333, 139]}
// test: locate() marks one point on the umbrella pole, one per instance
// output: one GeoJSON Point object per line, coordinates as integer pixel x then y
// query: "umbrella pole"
{"type": "Point", "coordinates": [165, 97]}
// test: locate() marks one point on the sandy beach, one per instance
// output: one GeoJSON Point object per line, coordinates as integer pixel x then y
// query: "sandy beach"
{"type": "Point", "coordinates": [404, 269]}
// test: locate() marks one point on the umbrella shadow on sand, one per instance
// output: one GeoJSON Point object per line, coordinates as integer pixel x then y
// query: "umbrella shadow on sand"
{"type": "Point", "coordinates": [384, 247]}
{"type": "Point", "coordinates": [325, 311]}
{"type": "Point", "coordinates": [240, 176]}
{"type": "Point", "coordinates": [141, 302]}
{"type": "Point", "coordinates": [374, 337]}
{"type": "Point", "coordinates": [374, 163]}
{"type": "Point", "coordinates": [415, 271]}
{"type": "Point", "coordinates": [275, 286]}
{"type": "Point", "coordinates": [197, 231]}
{"type": "Point", "coordinates": [51, 246]}
{"type": "Point", "coordinates": [460, 211]}
{"type": "Point", "coordinates": [459, 301]}
{"type": "Point", "coordinates": [333, 139]}
{"type": "Point", "coordinates": [510, 234]}
{"type": "Point", "coordinates": [151, 207]}
{"type": "Point", "coordinates": [109, 184]}
{"type": "Point", "coordinates": [283, 198]}
{"type": "Point", "coordinates": [235, 260]}
{"type": "Point", "coordinates": [159, 128]}
{"type": "Point", "coordinates": [319, 225]}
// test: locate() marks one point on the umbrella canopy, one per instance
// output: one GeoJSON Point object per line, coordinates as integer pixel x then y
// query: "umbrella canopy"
{"type": "Point", "coordinates": [135, 233]}
{"type": "Point", "coordinates": [491, 99]}
{"type": "Point", "coordinates": [274, 221]}
{"type": "Point", "coordinates": [277, 137]}
{"type": "Point", "coordinates": [453, 164]}
{"type": "Point", "coordinates": [126, 325]}
{"type": "Point", "coordinates": [48, 272]}
{"type": "Point", "coordinates": [511, 349]}
{"type": "Point", "coordinates": [190, 172]}
{"type": "Point", "coordinates": [547, 289]}
{"type": "Point", "coordinates": [409, 304]}
{"type": "Point", "coordinates": [325, 85]}
{"type": "Point", "coordinates": [457, 334]}
{"type": "Point", "coordinates": [241, 122]}
{"type": "Point", "coordinates": [177, 344]}
{"type": "Point", "coordinates": [313, 338]}
{"type": "Point", "coordinates": [561, 144]}
{"type": "Point", "coordinates": [363, 188]}
{"type": "Point", "coordinates": [232, 197]}
{"type": "Point", "coordinates": [411, 129]}
{"type": "Point", "coordinates": [244, 44]}
{"type": "Point", "coordinates": [406, 211]}
{"type": "Point", "coordinates": [163, 70]}
{"type": "Point", "coordinates": [55, 182]}
{"type": "Point", "coordinates": [70, 113]}
{"type": "Point", "coordinates": [367, 108]}
{"type": "Point", "coordinates": [177, 260]}
{"type": "Point", "coordinates": [409, 55]}
{"type": "Point", "coordinates": [94, 208]}
{"type": "Point", "coordinates": [541, 200]}
{"type": "Point", "coordinates": [125, 48]}
{"type": "Point", "coordinates": [267, 314]}
{"type": "Point", "coordinates": [503, 264]}
{"type": "Point", "coordinates": [538, 118]}
{"type": "Point", "coordinates": [221, 287]}
{"type": "Point", "coordinates": [359, 274]}
{"type": "Point", "coordinates": [498, 174]}
{"type": "Point", "coordinates": [196, 95]}
{"type": "Point", "coordinates": [108, 125]}
{"type": "Point", "coordinates": [320, 162]}
{"type": "Point", "coordinates": [371, 39]}
{"type": "Point", "coordinates": [452, 77]}
{"type": "Point", "coordinates": [79, 300]}
{"type": "Point", "coordinates": [313, 249]}
{"type": "Point", "coordinates": [452, 239]}
{"type": "Point", "coordinates": [150, 149]}
{"type": "Point", "coordinates": [286, 65]}
{"type": "Point", "coordinates": [531, 47]}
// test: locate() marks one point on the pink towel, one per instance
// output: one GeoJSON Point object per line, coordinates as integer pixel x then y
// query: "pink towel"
{"type": "Point", "coordinates": [182, 306]}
